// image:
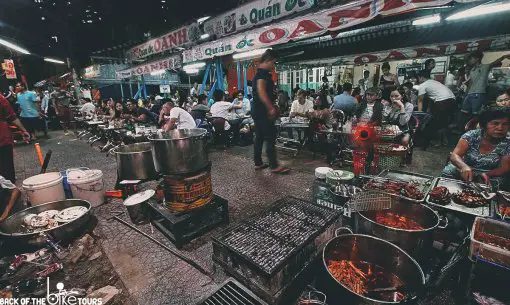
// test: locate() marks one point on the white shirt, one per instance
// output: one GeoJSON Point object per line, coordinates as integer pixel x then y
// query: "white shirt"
{"type": "Point", "coordinates": [88, 109]}
{"type": "Point", "coordinates": [246, 106]}
{"type": "Point", "coordinates": [221, 110]}
{"type": "Point", "coordinates": [184, 120]}
{"type": "Point", "coordinates": [86, 93]}
{"type": "Point", "coordinates": [296, 107]}
{"type": "Point", "coordinates": [193, 91]}
{"type": "Point", "coordinates": [435, 90]}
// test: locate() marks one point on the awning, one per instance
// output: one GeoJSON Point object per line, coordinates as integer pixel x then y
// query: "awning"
{"type": "Point", "coordinates": [307, 26]}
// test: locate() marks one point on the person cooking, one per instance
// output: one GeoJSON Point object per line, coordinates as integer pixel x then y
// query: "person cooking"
{"type": "Point", "coordinates": [9, 195]}
{"type": "Point", "coordinates": [484, 152]}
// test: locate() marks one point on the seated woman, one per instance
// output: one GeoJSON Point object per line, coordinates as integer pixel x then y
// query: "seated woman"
{"type": "Point", "coordinates": [483, 152]}
{"type": "Point", "coordinates": [118, 111]}
{"type": "Point", "coordinates": [370, 111]}
{"type": "Point", "coordinates": [400, 112]}
{"type": "Point", "coordinates": [504, 99]}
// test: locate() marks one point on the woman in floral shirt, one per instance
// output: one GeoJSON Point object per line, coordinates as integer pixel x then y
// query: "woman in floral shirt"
{"type": "Point", "coordinates": [484, 152]}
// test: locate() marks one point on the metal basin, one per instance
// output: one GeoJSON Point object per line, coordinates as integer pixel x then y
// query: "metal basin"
{"type": "Point", "coordinates": [357, 247]}
{"type": "Point", "coordinates": [135, 162]}
{"type": "Point", "coordinates": [417, 243]}
{"type": "Point", "coordinates": [180, 151]}
{"type": "Point", "coordinates": [10, 229]}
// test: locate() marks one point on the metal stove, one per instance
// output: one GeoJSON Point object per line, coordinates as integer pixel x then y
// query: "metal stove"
{"type": "Point", "coordinates": [181, 228]}
{"type": "Point", "coordinates": [271, 252]}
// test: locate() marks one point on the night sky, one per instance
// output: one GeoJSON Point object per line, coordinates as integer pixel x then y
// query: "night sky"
{"type": "Point", "coordinates": [76, 28]}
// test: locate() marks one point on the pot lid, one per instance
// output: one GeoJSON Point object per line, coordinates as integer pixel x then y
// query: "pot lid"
{"type": "Point", "coordinates": [42, 179]}
{"type": "Point", "coordinates": [339, 175]}
{"type": "Point", "coordinates": [139, 197]}
{"type": "Point", "coordinates": [83, 176]}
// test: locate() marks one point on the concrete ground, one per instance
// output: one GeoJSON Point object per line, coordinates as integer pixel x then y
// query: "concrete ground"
{"type": "Point", "coordinates": [151, 274]}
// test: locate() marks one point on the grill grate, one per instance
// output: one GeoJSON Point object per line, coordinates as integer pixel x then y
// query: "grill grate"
{"type": "Point", "coordinates": [269, 240]}
{"type": "Point", "coordinates": [303, 210]}
{"type": "Point", "coordinates": [232, 293]}
{"type": "Point", "coordinates": [285, 227]}
{"type": "Point", "coordinates": [264, 250]}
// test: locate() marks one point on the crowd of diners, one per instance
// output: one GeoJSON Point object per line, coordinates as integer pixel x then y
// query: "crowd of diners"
{"type": "Point", "coordinates": [460, 105]}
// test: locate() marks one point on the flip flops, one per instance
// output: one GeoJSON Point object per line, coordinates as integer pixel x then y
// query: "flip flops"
{"type": "Point", "coordinates": [280, 170]}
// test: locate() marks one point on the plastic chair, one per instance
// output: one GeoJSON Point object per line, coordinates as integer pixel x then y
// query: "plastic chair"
{"type": "Point", "coordinates": [471, 124]}
{"type": "Point", "coordinates": [414, 125]}
{"type": "Point", "coordinates": [422, 131]}
{"type": "Point", "coordinates": [219, 133]}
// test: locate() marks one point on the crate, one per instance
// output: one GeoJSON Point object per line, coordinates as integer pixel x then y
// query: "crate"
{"type": "Point", "coordinates": [182, 228]}
{"type": "Point", "coordinates": [486, 252]}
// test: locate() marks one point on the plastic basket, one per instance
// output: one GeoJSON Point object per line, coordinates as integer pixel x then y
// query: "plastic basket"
{"type": "Point", "coordinates": [388, 157]}
{"type": "Point", "coordinates": [488, 252]}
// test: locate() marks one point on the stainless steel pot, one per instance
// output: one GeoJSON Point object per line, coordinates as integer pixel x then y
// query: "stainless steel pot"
{"type": "Point", "coordinates": [180, 151]}
{"type": "Point", "coordinates": [10, 229]}
{"type": "Point", "coordinates": [417, 243]}
{"type": "Point", "coordinates": [357, 247]}
{"type": "Point", "coordinates": [135, 162]}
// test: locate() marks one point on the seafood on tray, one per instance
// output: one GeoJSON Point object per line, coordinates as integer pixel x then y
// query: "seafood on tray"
{"type": "Point", "coordinates": [470, 198]}
{"type": "Point", "coordinates": [51, 218]}
{"type": "Point", "coordinates": [440, 195]}
{"type": "Point", "coordinates": [368, 279]}
{"type": "Point", "coordinates": [493, 240]}
{"type": "Point", "coordinates": [405, 189]}
{"type": "Point", "coordinates": [397, 221]}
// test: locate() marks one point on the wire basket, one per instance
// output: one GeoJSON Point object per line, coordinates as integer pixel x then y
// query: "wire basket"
{"type": "Point", "coordinates": [389, 156]}
{"type": "Point", "coordinates": [371, 201]}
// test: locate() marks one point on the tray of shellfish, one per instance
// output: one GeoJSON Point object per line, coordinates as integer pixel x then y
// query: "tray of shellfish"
{"type": "Point", "coordinates": [459, 196]}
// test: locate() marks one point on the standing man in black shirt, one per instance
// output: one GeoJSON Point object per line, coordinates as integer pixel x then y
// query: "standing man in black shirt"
{"type": "Point", "coordinates": [264, 113]}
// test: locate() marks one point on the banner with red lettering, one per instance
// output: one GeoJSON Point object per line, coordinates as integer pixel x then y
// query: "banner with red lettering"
{"type": "Point", "coordinates": [254, 13]}
{"type": "Point", "coordinates": [178, 38]}
{"type": "Point", "coordinates": [312, 25]}
{"type": "Point", "coordinates": [172, 62]}
{"type": "Point", "coordinates": [497, 43]}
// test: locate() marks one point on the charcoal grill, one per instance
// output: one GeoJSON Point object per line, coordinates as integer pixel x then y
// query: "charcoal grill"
{"type": "Point", "coordinates": [270, 250]}
{"type": "Point", "coordinates": [232, 292]}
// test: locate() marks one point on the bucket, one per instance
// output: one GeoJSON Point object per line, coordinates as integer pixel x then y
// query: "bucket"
{"type": "Point", "coordinates": [87, 185]}
{"type": "Point", "coordinates": [44, 188]}
{"type": "Point", "coordinates": [136, 206]}
{"type": "Point", "coordinates": [67, 187]}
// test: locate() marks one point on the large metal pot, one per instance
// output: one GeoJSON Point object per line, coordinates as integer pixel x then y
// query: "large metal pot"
{"type": "Point", "coordinates": [417, 243]}
{"type": "Point", "coordinates": [180, 151]}
{"type": "Point", "coordinates": [357, 247]}
{"type": "Point", "coordinates": [135, 162]}
{"type": "Point", "coordinates": [10, 229]}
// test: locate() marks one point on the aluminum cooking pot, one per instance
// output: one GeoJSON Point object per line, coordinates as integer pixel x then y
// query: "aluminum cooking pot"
{"type": "Point", "coordinates": [418, 243]}
{"type": "Point", "coordinates": [357, 247]}
{"type": "Point", "coordinates": [135, 162]}
{"type": "Point", "coordinates": [10, 229]}
{"type": "Point", "coordinates": [180, 151]}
